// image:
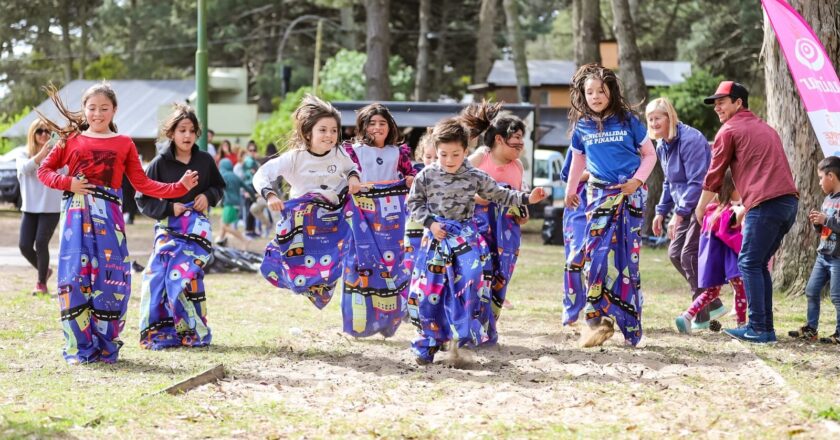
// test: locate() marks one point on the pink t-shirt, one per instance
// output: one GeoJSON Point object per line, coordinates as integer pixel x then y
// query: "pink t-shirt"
{"type": "Point", "coordinates": [510, 173]}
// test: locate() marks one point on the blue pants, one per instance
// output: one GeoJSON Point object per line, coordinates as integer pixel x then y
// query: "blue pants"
{"type": "Point", "coordinates": [447, 284]}
{"type": "Point", "coordinates": [94, 277]}
{"type": "Point", "coordinates": [307, 254]}
{"type": "Point", "coordinates": [497, 225]}
{"type": "Point", "coordinates": [375, 279]}
{"type": "Point", "coordinates": [826, 270]}
{"type": "Point", "coordinates": [574, 237]}
{"type": "Point", "coordinates": [173, 311]}
{"type": "Point", "coordinates": [612, 250]}
{"type": "Point", "coordinates": [764, 227]}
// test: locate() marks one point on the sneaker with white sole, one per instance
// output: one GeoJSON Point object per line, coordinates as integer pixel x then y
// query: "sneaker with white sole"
{"type": "Point", "coordinates": [718, 312]}
{"type": "Point", "coordinates": [695, 325]}
{"type": "Point", "coordinates": [747, 334]}
{"type": "Point", "coordinates": [684, 324]}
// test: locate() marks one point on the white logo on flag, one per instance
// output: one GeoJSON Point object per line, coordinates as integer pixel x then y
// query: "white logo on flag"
{"type": "Point", "coordinates": [809, 54]}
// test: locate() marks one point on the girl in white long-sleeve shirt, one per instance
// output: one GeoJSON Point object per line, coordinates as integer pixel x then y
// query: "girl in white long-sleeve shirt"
{"type": "Point", "coordinates": [314, 163]}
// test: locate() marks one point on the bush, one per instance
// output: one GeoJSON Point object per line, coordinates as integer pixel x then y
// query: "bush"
{"type": "Point", "coordinates": [344, 74]}
{"type": "Point", "coordinates": [7, 121]}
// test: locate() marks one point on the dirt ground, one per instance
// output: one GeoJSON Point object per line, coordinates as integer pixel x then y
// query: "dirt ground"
{"type": "Point", "coordinates": [312, 381]}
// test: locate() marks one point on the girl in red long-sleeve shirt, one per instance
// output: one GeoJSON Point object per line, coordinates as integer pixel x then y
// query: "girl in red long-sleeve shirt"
{"type": "Point", "coordinates": [94, 277]}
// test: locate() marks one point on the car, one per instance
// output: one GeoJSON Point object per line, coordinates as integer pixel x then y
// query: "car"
{"type": "Point", "coordinates": [9, 185]}
{"type": "Point", "coordinates": [547, 167]}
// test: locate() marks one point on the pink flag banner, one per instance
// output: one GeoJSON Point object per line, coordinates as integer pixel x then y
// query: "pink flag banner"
{"type": "Point", "coordinates": [812, 72]}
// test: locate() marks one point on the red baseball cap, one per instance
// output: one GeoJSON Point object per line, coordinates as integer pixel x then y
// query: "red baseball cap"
{"type": "Point", "coordinates": [731, 89]}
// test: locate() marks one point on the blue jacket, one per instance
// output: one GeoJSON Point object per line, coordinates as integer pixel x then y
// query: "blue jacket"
{"type": "Point", "coordinates": [685, 161]}
{"type": "Point", "coordinates": [233, 184]}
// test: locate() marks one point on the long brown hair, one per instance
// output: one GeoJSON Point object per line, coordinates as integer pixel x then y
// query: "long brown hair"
{"type": "Point", "coordinates": [76, 119]}
{"type": "Point", "coordinates": [726, 189]}
{"type": "Point", "coordinates": [363, 118]}
{"type": "Point", "coordinates": [489, 119]}
{"type": "Point", "coordinates": [311, 110]}
{"type": "Point", "coordinates": [179, 113]}
{"type": "Point", "coordinates": [580, 109]}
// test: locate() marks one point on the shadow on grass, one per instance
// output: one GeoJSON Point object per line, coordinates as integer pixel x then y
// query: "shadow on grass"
{"type": "Point", "coordinates": [133, 366]}
{"type": "Point", "coordinates": [32, 429]}
{"type": "Point", "coordinates": [255, 350]}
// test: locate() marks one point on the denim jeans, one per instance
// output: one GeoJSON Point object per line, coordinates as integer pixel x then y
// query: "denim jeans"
{"type": "Point", "coordinates": [764, 227]}
{"type": "Point", "coordinates": [826, 270]}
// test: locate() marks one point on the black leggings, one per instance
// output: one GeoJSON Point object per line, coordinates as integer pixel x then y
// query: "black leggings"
{"type": "Point", "coordinates": [36, 230]}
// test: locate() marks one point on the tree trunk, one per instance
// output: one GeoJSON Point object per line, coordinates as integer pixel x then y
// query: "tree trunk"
{"type": "Point", "coordinates": [629, 59]}
{"type": "Point", "coordinates": [348, 28]}
{"type": "Point", "coordinates": [586, 27]}
{"type": "Point", "coordinates": [440, 50]}
{"type": "Point", "coordinates": [378, 50]}
{"type": "Point", "coordinates": [786, 114]}
{"type": "Point", "coordinates": [517, 43]}
{"type": "Point", "coordinates": [484, 46]}
{"type": "Point", "coordinates": [635, 92]}
{"type": "Point", "coordinates": [66, 42]}
{"type": "Point", "coordinates": [84, 11]}
{"type": "Point", "coordinates": [133, 35]}
{"type": "Point", "coordinates": [421, 83]}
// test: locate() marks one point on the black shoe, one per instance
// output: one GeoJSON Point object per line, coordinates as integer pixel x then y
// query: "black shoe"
{"type": "Point", "coordinates": [807, 333]}
{"type": "Point", "coordinates": [833, 339]}
{"type": "Point", "coordinates": [137, 266]}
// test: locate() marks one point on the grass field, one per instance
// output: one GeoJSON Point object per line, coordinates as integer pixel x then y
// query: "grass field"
{"type": "Point", "coordinates": [291, 373]}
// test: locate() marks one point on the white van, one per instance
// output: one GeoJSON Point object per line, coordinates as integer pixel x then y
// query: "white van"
{"type": "Point", "coordinates": [547, 167]}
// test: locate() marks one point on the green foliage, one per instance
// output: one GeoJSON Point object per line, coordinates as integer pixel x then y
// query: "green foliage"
{"type": "Point", "coordinates": [6, 121]}
{"type": "Point", "coordinates": [687, 98]}
{"type": "Point", "coordinates": [106, 67]}
{"type": "Point", "coordinates": [344, 74]}
{"type": "Point", "coordinates": [278, 127]}
{"type": "Point", "coordinates": [831, 413]}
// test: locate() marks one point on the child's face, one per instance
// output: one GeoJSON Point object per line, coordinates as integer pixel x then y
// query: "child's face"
{"type": "Point", "coordinates": [659, 124]}
{"type": "Point", "coordinates": [597, 96]}
{"type": "Point", "coordinates": [324, 135]}
{"type": "Point", "coordinates": [184, 135]}
{"type": "Point", "coordinates": [511, 148]}
{"type": "Point", "coordinates": [377, 130]}
{"type": "Point", "coordinates": [828, 181]}
{"type": "Point", "coordinates": [429, 154]}
{"type": "Point", "coordinates": [99, 112]}
{"type": "Point", "coordinates": [450, 155]}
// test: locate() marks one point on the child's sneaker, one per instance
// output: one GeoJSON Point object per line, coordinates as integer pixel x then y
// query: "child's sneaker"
{"type": "Point", "coordinates": [684, 324]}
{"type": "Point", "coordinates": [718, 312]}
{"type": "Point", "coordinates": [699, 325]}
{"type": "Point", "coordinates": [833, 339]}
{"type": "Point", "coordinates": [807, 333]}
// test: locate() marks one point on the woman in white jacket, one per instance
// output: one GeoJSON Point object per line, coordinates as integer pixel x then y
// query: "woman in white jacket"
{"type": "Point", "coordinates": [41, 206]}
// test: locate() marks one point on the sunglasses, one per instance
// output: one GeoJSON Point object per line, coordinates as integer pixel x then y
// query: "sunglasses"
{"type": "Point", "coordinates": [41, 131]}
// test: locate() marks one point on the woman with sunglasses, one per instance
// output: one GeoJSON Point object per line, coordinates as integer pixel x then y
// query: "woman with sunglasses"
{"type": "Point", "coordinates": [41, 206]}
{"type": "Point", "coordinates": [503, 141]}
